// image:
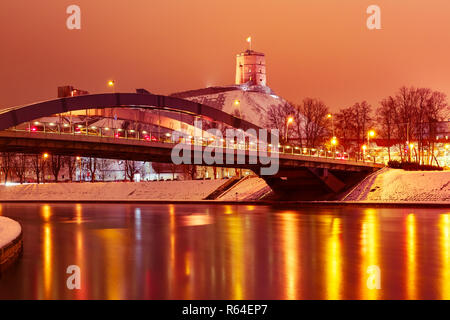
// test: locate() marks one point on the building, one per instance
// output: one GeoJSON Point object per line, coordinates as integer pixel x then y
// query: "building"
{"type": "Point", "coordinates": [70, 91]}
{"type": "Point", "coordinates": [251, 68]}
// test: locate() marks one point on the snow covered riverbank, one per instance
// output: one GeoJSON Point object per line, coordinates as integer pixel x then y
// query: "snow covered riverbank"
{"type": "Point", "coordinates": [111, 191]}
{"type": "Point", "coordinates": [385, 186]}
{"type": "Point", "coordinates": [396, 185]}
{"type": "Point", "coordinates": [9, 231]}
{"type": "Point", "coordinates": [10, 241]}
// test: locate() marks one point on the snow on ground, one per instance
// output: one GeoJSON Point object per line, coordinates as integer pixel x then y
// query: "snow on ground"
{"type": "Point", "coordinates": [9, 230]}
{"type": "Point", "coordinates": [250, 188]}
{"type": "Point", "coordinates": [401, 185]}
{"type": "Point", "coordinates": [114, 191]}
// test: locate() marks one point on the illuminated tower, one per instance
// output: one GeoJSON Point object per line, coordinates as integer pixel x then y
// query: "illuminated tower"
{"type": "Point", "coordinates": [251, 68]}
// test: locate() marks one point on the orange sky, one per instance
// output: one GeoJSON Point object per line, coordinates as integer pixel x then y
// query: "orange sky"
{"type": "Point", "coordinates": [317, 48]}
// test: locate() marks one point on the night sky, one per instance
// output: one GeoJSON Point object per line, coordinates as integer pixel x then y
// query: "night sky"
{"type": "Point", "coordinates": [316, 48]}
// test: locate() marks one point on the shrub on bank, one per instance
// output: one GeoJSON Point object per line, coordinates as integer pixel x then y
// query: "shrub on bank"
{"type": "Point", "coordinates": [412, 166]}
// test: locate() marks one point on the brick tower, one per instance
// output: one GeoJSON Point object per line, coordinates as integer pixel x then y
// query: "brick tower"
{"type": "Point", "coordinates": [251, 68]}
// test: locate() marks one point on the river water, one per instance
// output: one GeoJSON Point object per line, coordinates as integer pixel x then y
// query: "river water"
{"type": "Point", "coordinates": [184, 251]}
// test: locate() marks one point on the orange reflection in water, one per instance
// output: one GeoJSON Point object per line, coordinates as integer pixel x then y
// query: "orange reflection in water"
{"type": "Point", "coordinates": [444, 225]}
{"type": "Point", "coordinates": [78, 213]}
{"type": "Point", "coordinates": [333, 258]}
{"type": "Point", "coordinates": [113, 266]}
{"type": "Point", "coordinates": [369, 252]}
{"type": "Point", "coordinates": [411, 250]}
{"type": "Point", "coordinates": [235, 245]}
{"type": "Point", "coordinates": [80, 252]}
{"type": "Point", "coordinates": [47, 251]}
{"type": "Point", "coordinates": [290, 237]}
{"type": "Point", "coordinates": [46, 212]}
{"type": "Point", "coordinates": [172, 260]}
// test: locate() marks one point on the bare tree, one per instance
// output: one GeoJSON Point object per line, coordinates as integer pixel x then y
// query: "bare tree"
{"type": "Point", "coordinates": [20, 166]}
{"type": "Point", "coordinates": [345, 128]}
{"type": "Point", "coordinates": [315, 124]}
{"type": "Point", "coordinates": [70, 163]}
{"type": "Point", "coordinates": [131, 168]}
{"type": "Point", "coordinates": [38, 166]}
{"type": "Point", "coordinates": [190, 171]}
{"type": "Point", "coordinates": [386, 121]}
{"type": "Point", "coordinates": [158, 168]}
{"type": "Point", "coordinates": [104, 167]}
{"type": "Point", "coordinates": [173, 169]}
{"type": "Point", "coordinates": [436, 106]}
{"type": "Point", "coordinates": [6, 164]}
{"type": "Point", "coordinates": [91, 165]}
{"type": "Point", "coordinates": [412, 115]}
{"type": "Point", "coordinates": [277, 116]}
{"type": "Point", "coordinates": [361, 112]}
{"type": "Point", "coordinates": [56, 162]}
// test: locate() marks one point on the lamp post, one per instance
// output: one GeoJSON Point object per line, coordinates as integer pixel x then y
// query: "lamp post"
{"type": "Point", "coordinates": [330, 116]}
{"type": "Point", "coordinates": [364, 147]}
{"type": "Point", "coordinates": [237, 104]}
{"type": "Point", "coordinates": [44, 157]}
{"type": "Point", "coordinates": [370, 133]}
{"type": "Point", "coordinates": [334, 143]}
{"type": "Point", "coordinates": [289, 120]}
{"type": "Point", "coordinates": [111, 84]}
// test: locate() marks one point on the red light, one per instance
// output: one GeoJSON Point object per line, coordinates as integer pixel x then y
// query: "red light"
{"type": "Point", "coordinates": [154, 138]}
{"type": "Point", "coordinates": [33, 129]}
{"type": "Point", "coordinates": [116, 135]}
{"type": "Point", "coordinates": [147, 137]}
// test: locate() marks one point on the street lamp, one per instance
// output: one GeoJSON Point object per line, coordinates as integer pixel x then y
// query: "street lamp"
{"type": "Point", "coordinates": [111, 84]}
{"type": "Point", "coordinates": [44, 157]}
{"type": "Point", "coordinates": [334, 142]}
{"type": "Point", "coordinates": [237, 104]}
{"type": "Point", "coordinates": [370, 134]}
{"type": "Point", "coordinates": [330, 116]}
{"type": "Point", "coordinates": [364, 147]}
{"type": "Point", "coordinates": [289, 120]}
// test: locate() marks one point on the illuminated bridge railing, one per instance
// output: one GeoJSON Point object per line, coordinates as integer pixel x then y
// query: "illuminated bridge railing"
{"type": "Point", "coordinates": [158, 136]}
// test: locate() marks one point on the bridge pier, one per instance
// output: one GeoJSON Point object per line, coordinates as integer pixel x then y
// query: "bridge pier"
{"type": "Point", "coordinates": [313, 183]}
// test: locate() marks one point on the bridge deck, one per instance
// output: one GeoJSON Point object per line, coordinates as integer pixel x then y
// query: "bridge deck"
{"type": "Point", "coordinates": [158, 151]}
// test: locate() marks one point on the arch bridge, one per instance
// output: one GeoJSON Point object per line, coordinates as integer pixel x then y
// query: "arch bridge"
{"type": "Point", "coordinates": [303, 173]}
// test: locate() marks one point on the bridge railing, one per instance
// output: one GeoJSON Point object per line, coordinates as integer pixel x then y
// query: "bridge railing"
{"type": "Point", "coordinates": [167, 137]}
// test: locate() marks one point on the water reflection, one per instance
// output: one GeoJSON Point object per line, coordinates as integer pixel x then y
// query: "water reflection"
{"type": "Point", "coordinates": [411, 266]}
{"type": "Point", "coordinates": [228, 252]}
{"type": "Point", "coordinates": [444, 225]}
{"type": "Point", "coordinates": [369, 251]}
{"type": "Point", "coordinates": [333, 256]}
{"type": "Point", "coordinates": [291, 236]}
